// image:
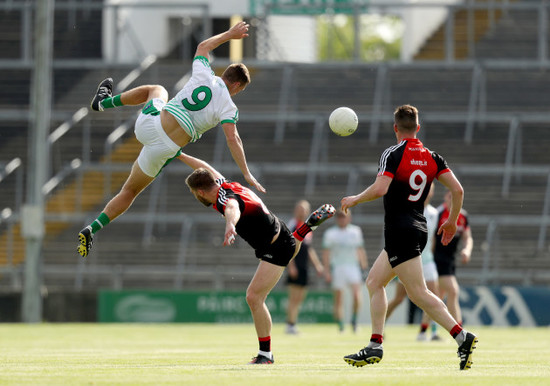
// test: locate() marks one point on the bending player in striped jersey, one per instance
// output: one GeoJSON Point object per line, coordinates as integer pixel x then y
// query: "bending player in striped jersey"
{"type": "Point", "coordinates": [247, 216]}
{"type": "Point", "coordinates": [164, 127]}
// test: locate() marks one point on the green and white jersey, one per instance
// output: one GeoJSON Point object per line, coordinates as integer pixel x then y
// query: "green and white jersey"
{"type": "Point", "coordinates": [343, 244]}
{"type": "Point", "coordinates": [204, 101]}
{"type": "Point", "coordinates": [431, 215]}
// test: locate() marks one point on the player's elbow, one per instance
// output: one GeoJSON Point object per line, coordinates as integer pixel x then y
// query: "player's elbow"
{"type": "Point", "coordinates": [458, 191]}
{"type": "Point", "coordinates": [380, 190]}
{"type": "Point", "coordinates": [203, 47]}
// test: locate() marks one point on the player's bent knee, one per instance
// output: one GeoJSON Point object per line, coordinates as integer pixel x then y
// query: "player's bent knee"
{"type": "Point", "coordinates": [158, 91]}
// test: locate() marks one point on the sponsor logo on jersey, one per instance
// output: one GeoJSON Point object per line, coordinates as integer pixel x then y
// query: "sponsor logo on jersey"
{"type": "Point", "coordinates": [419, 163]}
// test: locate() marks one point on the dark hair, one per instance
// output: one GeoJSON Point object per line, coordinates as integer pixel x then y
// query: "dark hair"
{"type": "Point", "coordinates": [406, 118]}
{"type": "Point", "coordinates": [237, 72]}
{"type": "Point", "coordinates": [201, 179]}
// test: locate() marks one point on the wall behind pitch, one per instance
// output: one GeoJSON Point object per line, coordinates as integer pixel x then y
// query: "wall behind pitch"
{"type": "Point", "coordinates": [497, 306]}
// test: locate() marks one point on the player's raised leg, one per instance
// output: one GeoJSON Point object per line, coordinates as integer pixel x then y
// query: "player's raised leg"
{"type": "Point", "coordinates": [266, 277]}
{"type": "Point", "coordinates": [138, 180]}
{"type": "Point", "coordinates": [104, 99]}
{"type": "Point", "coordinates": [316, 218]}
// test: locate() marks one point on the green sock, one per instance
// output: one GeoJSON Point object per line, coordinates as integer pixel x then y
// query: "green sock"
{"type": "Point", "coordinates": [110, 102]}
{"type": "Point", "coordinates": [99, 222]}
{"type": "Point", "coordinates": [434, 328]}
{"type": "Point", "coordinates": [340, 325]}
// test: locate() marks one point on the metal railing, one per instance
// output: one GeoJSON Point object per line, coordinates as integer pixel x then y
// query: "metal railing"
{"type": "Point", "coordinates": [81, 271]}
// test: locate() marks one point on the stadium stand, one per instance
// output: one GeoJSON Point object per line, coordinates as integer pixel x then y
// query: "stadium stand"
{"type": "Point", "coordinates": [167, 240]}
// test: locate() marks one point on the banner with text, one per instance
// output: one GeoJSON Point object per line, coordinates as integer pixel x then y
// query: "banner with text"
{"type": "Point", "coordinates": [497, 306]}
{"type": "Point", "coordinates": [190, 306]}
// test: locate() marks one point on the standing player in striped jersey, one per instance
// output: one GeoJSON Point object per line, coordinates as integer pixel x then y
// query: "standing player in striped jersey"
{"type": "Point", "coordinates": [405, 173]}
{"type": "Point", "coordinates": [164, 127]}
{"type": "Point", "coordinates": [247, 216]}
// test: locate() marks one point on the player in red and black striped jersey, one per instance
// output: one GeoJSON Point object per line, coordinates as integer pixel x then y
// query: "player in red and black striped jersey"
{"type": "Point", "coordinates": [247, 216]}
{"type": "Point", "coordinates": [405, 173]}
{"type": "Point", "coordinates": [444, 257]}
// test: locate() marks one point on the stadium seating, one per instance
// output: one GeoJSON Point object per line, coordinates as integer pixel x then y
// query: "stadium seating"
{"type": "Point", "coordinates": [135, 253]}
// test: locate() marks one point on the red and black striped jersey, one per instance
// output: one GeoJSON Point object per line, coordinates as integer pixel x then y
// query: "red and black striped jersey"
{"type": "Point", "coordinates": [462, 225]}
{"type": "Point", "coordinates": [412, 168]}
{"type": "Point", "coordinates": [257, 225]}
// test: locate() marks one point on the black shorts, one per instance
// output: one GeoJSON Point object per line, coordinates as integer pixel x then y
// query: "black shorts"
{"type": "Point", "coordinates": [445, 265]}
{"type": "Point", "coordinates": [301, 279]}
{"type": "Point", "coordinates": [404, 244]}
{"type": "Point", "coordinates": [281, 251]}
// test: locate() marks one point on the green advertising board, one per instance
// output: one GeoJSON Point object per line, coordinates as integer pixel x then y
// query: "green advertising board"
{"type": "Point", "coordinates": [202, 307]}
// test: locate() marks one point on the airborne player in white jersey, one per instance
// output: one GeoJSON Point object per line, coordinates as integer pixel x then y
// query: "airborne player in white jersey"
{"type": "Point", "coordinates": [165, 127]}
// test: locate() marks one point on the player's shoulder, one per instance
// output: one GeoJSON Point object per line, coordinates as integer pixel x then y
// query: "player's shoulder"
{"type": "Point", "coordinates": [394, 148]}
{"type": "Point", "coordinates": [201, 66]}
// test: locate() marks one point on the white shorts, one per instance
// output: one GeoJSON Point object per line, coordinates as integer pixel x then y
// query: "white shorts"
{"type": "Point", "coordinates": [430, 271]}
{"type": "Point", "coordinates": [344, 276]}
{"type": "Point", "coordinates": [158, 149]}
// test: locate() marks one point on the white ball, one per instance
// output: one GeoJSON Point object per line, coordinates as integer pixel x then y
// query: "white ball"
{"type": "Point", "coordinates": [343, 121]}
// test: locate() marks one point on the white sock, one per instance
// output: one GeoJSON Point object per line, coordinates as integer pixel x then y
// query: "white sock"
{"type": "Point", "coordinates": [460, 338]}
{"type": "Point", "coordinates": [267, 354]}
{"type": "Point", "coordinates": [374, 345]}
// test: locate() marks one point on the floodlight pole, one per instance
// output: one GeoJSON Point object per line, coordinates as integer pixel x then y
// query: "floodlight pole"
{"type": "Point", "coordinates": [32, 214]}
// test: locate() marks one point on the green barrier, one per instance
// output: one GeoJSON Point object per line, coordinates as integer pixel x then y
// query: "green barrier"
{"type": "Point", "coordinates": [203, 307]}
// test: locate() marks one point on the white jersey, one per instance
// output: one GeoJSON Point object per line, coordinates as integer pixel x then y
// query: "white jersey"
{"type": "Point", "coordinates": [343, 244]}
{"type": "Point", "coordinates": [203, 102]}
{"type": "Point", "coordinates": [431, 215]}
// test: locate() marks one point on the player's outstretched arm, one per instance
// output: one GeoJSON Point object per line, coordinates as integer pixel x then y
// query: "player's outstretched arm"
{"type": "Point", "coordinates": [238, 31]}
{"type": "Point", "coordinates": [378, 189]}
{"type": "Point", "coordinates": [195, 163]}
{"type": "Point", "coordinates": [235, 145]}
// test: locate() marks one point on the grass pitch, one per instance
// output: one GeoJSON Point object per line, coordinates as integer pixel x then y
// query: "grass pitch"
{"type": "Point", "coordinates": [214, 354]}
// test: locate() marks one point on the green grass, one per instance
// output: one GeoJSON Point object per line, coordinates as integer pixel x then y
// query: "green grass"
{"type": "Point", "coordinates": [213, 354]}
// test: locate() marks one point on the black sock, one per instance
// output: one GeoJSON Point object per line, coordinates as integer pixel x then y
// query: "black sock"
{"type": "Point", "coordinates": [265, 344]}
